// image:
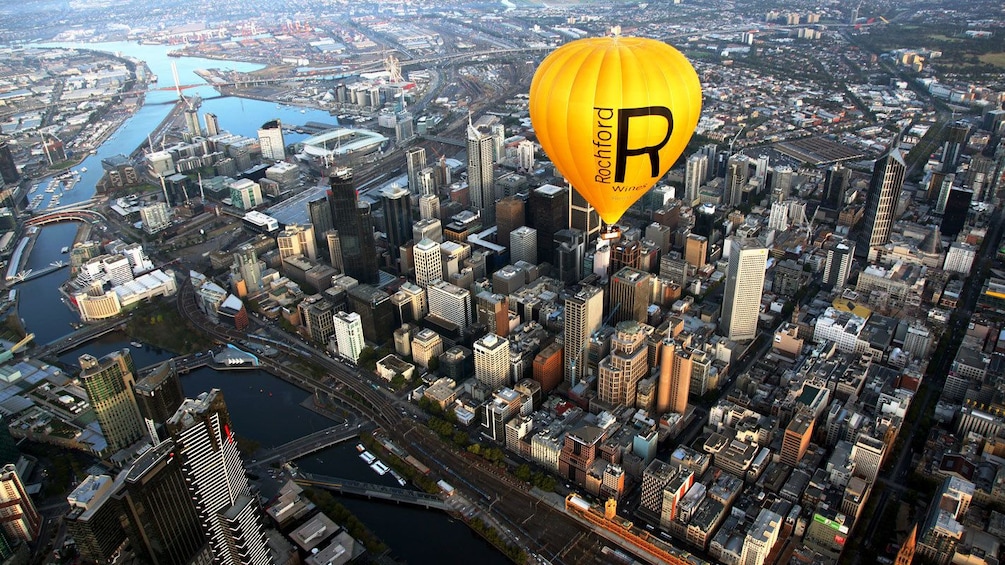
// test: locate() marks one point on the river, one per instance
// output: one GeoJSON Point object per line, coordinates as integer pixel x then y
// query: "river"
{"type": "Point", "coordinates": [414, 535]}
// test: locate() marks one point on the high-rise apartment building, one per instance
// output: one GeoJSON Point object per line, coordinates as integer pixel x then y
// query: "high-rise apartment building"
{"type": "Point", "coordinates": [492, 361]}
{"type": "Point", "coordinates": [481, 174]}
{"type": "Point", "coordinates": [428, 262]}
{"type": "Point", "coordinates": [19, 518]}
{"type": "Point", "coordinates": [297, 240]}
{"type": "Point", "coordinates": [741, 300]}
{"type": "Point", "coordinates": [8, 168]}
{"type": "Point", "coordinates": [212, 124]}
{"type": "Point", "coordinates": [584, 312]}
{"type": "Point", "coordinates": [397, 217]}
{"type": "Point", "coordinates": [355, 228]}
{"type": "Point", "coordinates": [837, 267]}
{"type": "Point", "coordinates": [881, 201]}
{"type": "Point", "coordinates": [192, 122]}
{"type": "Point", "coordinates": [334, 245]}
{"type": "Point", "coordinates": [109, 385]}
{"type": "Point", "coordinates": [349, 335]}
{"type": "Point", "coordinates": [217, 483]}
{"type": "Point", "coordinates": [270, 138]}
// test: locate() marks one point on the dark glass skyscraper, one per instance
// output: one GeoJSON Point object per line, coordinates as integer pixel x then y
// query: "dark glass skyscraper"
{"type": "Point", "coordinates": [159, 395]}
{"type": "Point", "coordinates": [355, 228]}
{"type": "Point", "coordinates": [398, 217]}
{"type": "Point", "coordinates": [8, 170]}
{"type": "Point", "coordinates": [161, 518]}
{"type": "Point", "coordinates": [549, 213]}
{"type": "Point", "coordinates": [320, 214]}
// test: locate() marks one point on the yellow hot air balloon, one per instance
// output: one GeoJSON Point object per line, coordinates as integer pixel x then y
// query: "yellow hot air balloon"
{"type": "Point", "coordinates": [613, 114]}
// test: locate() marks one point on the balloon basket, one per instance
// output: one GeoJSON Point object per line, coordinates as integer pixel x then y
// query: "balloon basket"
{"type": "Point", "coordinates": [610, 232]}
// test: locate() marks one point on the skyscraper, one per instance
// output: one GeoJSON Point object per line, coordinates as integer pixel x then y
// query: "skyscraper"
{"type": "Point", "coordinates": [549, 212]}
{"type": "Point", "coordinates": [796, 439]}
{"type": "Point", "coordinates": [570, 252]}
{"type": "Point", "coordinates": [450, 302]}
{"type": "Point", "coordinates": [270, 138]}
{"type": "Point", "coordinates": [525, 156]}
{"type": "Point", "coordinates": [509, 216]}
{"type": "Point", "coordinates": [630, 293]}
{"type": "Point", "coordinates": [428, 262]}
{"type": "Point", "coordinates": [738, 174]}
{"type": "Point", "coordinates": [217, 483]}
{"type": "Point", "coordinates": [741, 300]}
{"type": "Point", "coordinates": [415, 161]}
{"type": "Point", "coordinates": [694, 177]}
{"type": "Point", "coordinates": [297, 240]}
{"type": "Point", "coordinates": [192, 122]}
{"type": "Point", "coordinates": [584, 313]}
{"type": "Point", "coordinates": [349, 335]}
{"type": "Point", "coordinates": [246, 272]}
{"type": "Point", "coordinates": [835, 185]}
{"type": "Point", "coordinates": [583, 216]}
{"type": "Point", "coordinates": [953, 148]}
{"type": "Point", "coordinates": [158, 396]}
{"type": "Point", "coordinates": [171, 534]}
{"type": "Point", "coordinates": [523, 245]}
{"type": "Point", "coordinates": [838, 264]}
{"type": "Point", "coordinates": [109, 385]}
{"type": "Point", "coordinates": [18, 515]}
{"type": "Point", "coordinates": [355, 228]}
{"type": "Point", "coordinates": [429, 206]}
{"type": "Point", "coordinates": [8, 169]}
{"type": "Point", "coordinates": [320, 215]}
{"type": "Point", "coordinates": [398, 217]}
{"type": "Point", "coordinates": [881, 202]}
{"type": "Point", "coordinates": [492, 361]}
{"type": "Point", "coordinates": [481, 175]}
{"type": "Point", "coordinates": [93, 519]}
{"type": "Point", "coordinates": [619, 373]}
{"type": "Point", "coordinates": [212, 124]}
{"type": "Point", "coordinates": [674, 378]}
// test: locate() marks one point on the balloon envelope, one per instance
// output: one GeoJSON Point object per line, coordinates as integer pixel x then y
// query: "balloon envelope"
{"type": "Point", "coordinates": [613, 114]}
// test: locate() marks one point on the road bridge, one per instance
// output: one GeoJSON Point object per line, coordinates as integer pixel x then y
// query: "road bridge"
{"type": "Point", "coordinates": [369, 490]}
{"type": "Point", "coordinates": [308, 444]}
{"type": "Point", "coordinates": [78, 337]}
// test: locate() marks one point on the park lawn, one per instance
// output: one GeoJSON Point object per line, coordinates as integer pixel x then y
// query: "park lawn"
{"type": "Point", "coordinates": [996, 59]}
